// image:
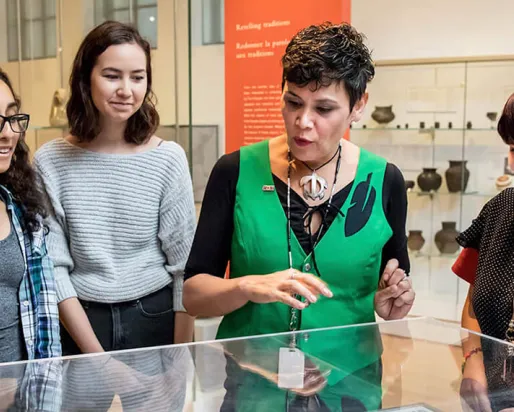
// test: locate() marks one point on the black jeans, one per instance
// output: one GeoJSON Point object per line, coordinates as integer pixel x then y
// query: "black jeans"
{"type": "Point", "coordinates": [144, 322]}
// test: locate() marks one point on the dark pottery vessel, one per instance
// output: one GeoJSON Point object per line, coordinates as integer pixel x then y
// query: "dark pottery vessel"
{"type": "Point", "coordinates": [421, 125]}
{"type": "Point", "coordinates": [409, 184]}
{"type": "Point", "coordinates": [429, 180]}
{"type": "Point", "coordinates": [445, 239]}
{"type": "Point", "coordinates": [383, 114]}
{"type": "Point", "coordinates": [469, 125]}
{"type": "Point", "coordinates": [415, 240]}
{"type": "Point", "coordinates": [450, 125]}
{"type": "Point", "coordinates": [492, 116]}
{"type": "Point", "coordinates": [437, 125]}
{"type": "Point", "coordinates": [457, 176]}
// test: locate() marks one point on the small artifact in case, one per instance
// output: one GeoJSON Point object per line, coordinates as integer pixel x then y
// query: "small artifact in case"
{"type": "Point", "coordinates": [503, 181]}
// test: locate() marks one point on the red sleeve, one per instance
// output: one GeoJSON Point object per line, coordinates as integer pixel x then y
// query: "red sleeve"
{"type": "Point", "coordinates": [466, 264]}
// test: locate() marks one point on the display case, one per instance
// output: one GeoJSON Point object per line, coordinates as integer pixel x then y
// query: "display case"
{"type": "Point", "coordinates": [200, 143]}
{"type": "Point", "coordinates": [409, 365]}
{"type": "Point", "coordinates": [437, 123]}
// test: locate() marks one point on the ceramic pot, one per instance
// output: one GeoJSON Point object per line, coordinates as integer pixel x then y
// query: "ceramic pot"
{"type": "Point", "coordinates": [445, 239]}
{"type": "Point", "coordinates": [491, 116]}
{"type": "Point", "coordinates": [457, 176]}
{"type": "Point", "coordinates": [503, 182]}
{"type": "Point", "coordinates": [383, 114]}
{"type": "Point", "coordinates": [409, 184]}
{"type": "Point", "coordinates": [429, 180]}
{"type": "Point", "coordinates": [415, 240]}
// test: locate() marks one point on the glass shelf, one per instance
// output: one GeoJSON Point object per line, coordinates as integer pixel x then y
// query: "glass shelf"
{"type": "Point", "coordinates": [37, 128]}
{"type": "Point", "coordinates": [471, 193]}
{"type": "Point", "coordinates": [430, 256]}
{"type": "Point", "coordinates": [420, 130]}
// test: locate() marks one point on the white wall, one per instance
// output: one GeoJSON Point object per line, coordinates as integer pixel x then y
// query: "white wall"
{"type": "Point", "coordinates": [3, 31]}
{"type": "Point", "coordinates": [208, 88]}
{"type": "Point", "coordinates": [396, 29]}
{"type": "Point", "coordinates": [405, 29]}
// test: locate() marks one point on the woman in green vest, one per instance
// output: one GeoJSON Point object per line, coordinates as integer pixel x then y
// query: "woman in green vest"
{"type": "Point", "coordinates": [314, 230]}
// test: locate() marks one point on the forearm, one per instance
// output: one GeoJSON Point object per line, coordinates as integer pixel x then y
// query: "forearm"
{"type": "Point", "coordinates": [184, 328]}
{"type": "Point", "coordinates": [77, 324]}
{"type": "Point", "coordinates": [206, 295]}
{"type": "Point", "coordinates": [469, 321]}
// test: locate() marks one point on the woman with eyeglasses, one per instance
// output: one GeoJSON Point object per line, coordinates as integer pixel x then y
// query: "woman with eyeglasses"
{"type": "Point", "coordinates": [29, 325]}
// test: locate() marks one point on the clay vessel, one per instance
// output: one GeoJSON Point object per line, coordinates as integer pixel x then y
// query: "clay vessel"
{"type": "Point", "coordinates": [457, 176]}
{"type": "Point", "coordinates": [445, 239]}
{"type": "Point", "coordinates": [429, 180]}
{"type": "Point", "coordinates": [415, 240]}
{"type": "Point", "coordinates": [383, 114]}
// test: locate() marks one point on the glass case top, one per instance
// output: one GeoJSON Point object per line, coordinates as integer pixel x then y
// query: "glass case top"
{"type": "Point", "coordinates": [408, 365]}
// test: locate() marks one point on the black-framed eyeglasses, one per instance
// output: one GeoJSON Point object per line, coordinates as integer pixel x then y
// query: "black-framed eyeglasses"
{"type": "Point", "coordinates": [19, 122]}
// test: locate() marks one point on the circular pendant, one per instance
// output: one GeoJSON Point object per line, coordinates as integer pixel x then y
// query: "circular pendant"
{"type": "Point", "coordinates": [314, 186]}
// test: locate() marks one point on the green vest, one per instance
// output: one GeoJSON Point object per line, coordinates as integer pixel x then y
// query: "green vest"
{"type": "Point", "coordinates": [348, 257]}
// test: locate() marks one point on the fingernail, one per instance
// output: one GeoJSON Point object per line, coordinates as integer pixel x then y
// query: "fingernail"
{"type": "Point", "coordinates": [312, 298]}
{"type": "Point", "coordinates": [327, 292]}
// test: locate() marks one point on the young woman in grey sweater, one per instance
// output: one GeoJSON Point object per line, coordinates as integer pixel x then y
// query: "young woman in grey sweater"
{"type": "Point", "coordinates": [123, 214]}
{"type": "Point", "coordinates": [122, 211]}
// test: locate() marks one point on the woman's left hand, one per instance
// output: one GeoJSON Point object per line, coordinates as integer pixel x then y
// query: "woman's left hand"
{"type": "Point", "coordinates": [395, 296]}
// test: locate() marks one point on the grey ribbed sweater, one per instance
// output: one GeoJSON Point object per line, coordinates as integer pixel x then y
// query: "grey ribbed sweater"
{"type": "Point", "coordinates": [121, 226]}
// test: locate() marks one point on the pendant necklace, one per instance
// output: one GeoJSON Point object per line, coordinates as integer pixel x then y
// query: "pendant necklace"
{"type": "Point", "coordinates": [293, 320]}
{"type": "Point", "coordinates": [314, 185]}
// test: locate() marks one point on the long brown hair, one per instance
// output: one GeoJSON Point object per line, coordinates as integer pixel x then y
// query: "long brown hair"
{"type": "Point", "coordinates": [20, 178]}
{"type": "Point", "coordinates": [83, 116]}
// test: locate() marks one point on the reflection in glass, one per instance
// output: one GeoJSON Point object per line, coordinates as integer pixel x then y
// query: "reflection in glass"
{"type": "Point", "coordinates": [213, 21]}
{"type": "Point", "coordinates": [143, 14]}
{"type": "Point", "coordinates": [147, 23]}
{"type": "Point", "coordinates": [38, 29]}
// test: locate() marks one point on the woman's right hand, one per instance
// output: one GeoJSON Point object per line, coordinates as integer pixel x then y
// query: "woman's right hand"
{"type": "Point", "coordinates": [282, 286]}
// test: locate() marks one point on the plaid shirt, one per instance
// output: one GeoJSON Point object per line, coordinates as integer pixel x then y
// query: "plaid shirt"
{"type": "Point", "coordinates": [39, 317]}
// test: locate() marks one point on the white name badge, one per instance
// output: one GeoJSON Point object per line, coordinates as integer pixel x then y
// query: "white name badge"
{"type": "Point", "coordinates": [291, 368]}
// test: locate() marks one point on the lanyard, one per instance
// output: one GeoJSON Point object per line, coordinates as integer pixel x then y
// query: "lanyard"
{"type": "Point", "coordinates": [293, 320]}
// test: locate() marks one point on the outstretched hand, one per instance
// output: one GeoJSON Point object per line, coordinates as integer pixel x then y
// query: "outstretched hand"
{"type": "Point", "coordinates": [395, 296]}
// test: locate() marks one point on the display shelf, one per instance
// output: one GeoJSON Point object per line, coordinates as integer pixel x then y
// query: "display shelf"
{"type": "Point", "coordinates": [430, 256]}
{"type": "Point", "coordinates": [455, 194]}
{"type": "Point", "coordinates": [420, 130]}
{"type": "Point", "coordinates": [470, 96]}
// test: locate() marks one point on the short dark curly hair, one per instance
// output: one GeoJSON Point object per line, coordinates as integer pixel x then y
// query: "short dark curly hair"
{"type": "Point", "coordinates": [506, 122]}
{"type": "Point", "coordinates": [83, 116]}
{"type": "Point", "coordinates": [327, 53]}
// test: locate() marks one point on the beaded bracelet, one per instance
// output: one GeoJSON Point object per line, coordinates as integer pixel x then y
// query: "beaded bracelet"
{"type": "Point", "coordinates": [468, 355]}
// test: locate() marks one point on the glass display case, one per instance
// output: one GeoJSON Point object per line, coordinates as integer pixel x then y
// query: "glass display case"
{"type": "Point", "coordinates": [437, 123]}
{"type": "Point", "coordinates": [409, 365]}
{"type": "Point", "coordinates": [200, 143]}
